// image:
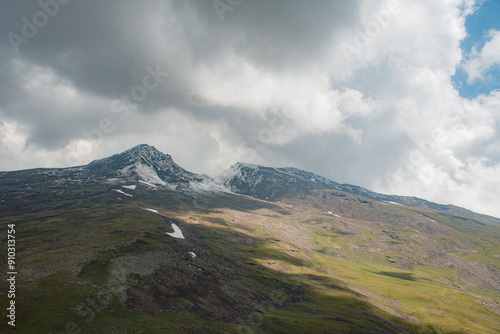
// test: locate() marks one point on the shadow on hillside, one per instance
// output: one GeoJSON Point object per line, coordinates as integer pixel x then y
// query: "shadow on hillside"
{"type": "Point", "coordinates": [312, 303]}
{"type": "Point", "coordinates": [233, 284]}
{"type": "Point", "coordinates": [207, 202]}
{"type": "Point", "coordinates": [403, 276]}
{"type": "Point", "coordinates": [234, 278]}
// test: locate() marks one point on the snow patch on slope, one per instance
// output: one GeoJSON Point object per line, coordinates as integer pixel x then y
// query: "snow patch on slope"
{"type": "Point", "coordinates": [145, 172]}
{"type": "Point", "coordinates": [148, 184]}
{"type": "Point", "coordinates": [207, 185]}
{"type": "Point", "coordinates": [122, 192]}
{"type": "Point", "coordinates": [148, 174]}
{"type": "Point", "coordinates": [390, 202]}
{"type": "Point", "coordinates": [177, 232]}
{"type": "Point", "coordinates": [251, 175]}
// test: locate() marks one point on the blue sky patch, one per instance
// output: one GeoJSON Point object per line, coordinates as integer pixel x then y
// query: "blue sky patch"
{"type": "Point", "coordinates": [478, 25]}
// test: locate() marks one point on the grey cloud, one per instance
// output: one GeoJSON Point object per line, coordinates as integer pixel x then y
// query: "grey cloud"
{"type": "Point", "coordinates": [101, 50]}
{"type": "Point", "coordinates": [96, 45]}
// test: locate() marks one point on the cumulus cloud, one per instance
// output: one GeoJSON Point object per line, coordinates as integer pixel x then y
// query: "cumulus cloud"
{"type": "Point", "coordinates": [358, 91]}
{"type": "Point", "coordinates": [483, 60]}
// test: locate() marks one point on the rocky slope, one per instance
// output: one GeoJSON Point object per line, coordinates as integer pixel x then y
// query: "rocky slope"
{"type": "Point", "coordinates": [275, 183]}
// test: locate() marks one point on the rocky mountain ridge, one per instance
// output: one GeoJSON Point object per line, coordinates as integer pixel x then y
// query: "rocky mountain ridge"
{"type": "Point", "coordinates": [144, 163]}
{"type": "Point", "coordinates": [272, 184]}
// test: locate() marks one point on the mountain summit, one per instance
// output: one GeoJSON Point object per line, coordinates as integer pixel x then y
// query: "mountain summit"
{"type": "Point", "coordinates": [274, 184]}
{"type": "Point", "coordinates": [271, 183]}
{"type": "Point", "coordinates": [143, 162]}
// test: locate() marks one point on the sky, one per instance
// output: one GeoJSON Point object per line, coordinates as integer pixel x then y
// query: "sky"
{"type": "Point", "coordinates": [401, 97]}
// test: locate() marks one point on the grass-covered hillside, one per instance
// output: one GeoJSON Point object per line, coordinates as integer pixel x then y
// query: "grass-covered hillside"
{"type": "Point", "coordinates": [93, 260]}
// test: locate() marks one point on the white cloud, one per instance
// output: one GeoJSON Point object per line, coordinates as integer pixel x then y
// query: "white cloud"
{"type": "Point", "coordinates": [482, 60]}
{"type": "Point", "coordinates": [271, 85]}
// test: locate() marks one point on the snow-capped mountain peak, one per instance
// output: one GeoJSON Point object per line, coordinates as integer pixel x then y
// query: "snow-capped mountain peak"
{"type": "Point", "coordinates": [149, 155]}
{"type": "Point", "coordinates": [143, 154]}
{"type": "Point", "coordinates": [143, 163]}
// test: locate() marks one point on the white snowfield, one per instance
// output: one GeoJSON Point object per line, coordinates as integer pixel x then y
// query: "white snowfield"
{"type": "Point", "coordinates": [122, 192]}
{"type": "Point", "coordinates": [236, 172]}
{"type": "Point", "coordinates": [148, 174]}
{"type": "Point", "coordinates": [193, 255]}
{"type": "Point", "coordinates": [177, 232]}
{"type": "Point", "coordinates": [336, 215]}
{"type": "Point", "coordinates": [148, 184]}
{"type": "Point", "coordinates": [152, 210]}
{"type": "Point", "coordinates": [131, 187]}
{"type": "Point", "coordinates": [208, 185]}
{"type": "Point", "coordinates": [394, 203]}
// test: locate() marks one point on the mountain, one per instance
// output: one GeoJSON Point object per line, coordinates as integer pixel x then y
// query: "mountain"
{"type": "Point", "coordinates": [277, 183]}
{"type": "Point", "coordinates": [146, 163]}
{"type": "Point", "coordinates": [134, 243]}
{"type": "Point", "coordinates": [271, 183]}
{"type": "Point", "coordinates": [142, 164]}
{"type": "Point", "coordinates": [142, 161]}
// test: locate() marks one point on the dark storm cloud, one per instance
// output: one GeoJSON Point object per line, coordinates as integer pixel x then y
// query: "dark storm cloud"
{"type": "Point", "coordinates": [102, 49]}
{"type": "Point", "coordinates": [99, 45]}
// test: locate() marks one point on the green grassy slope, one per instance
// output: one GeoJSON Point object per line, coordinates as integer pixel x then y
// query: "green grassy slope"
{"type": "Point", "coordinates": [326, 262]}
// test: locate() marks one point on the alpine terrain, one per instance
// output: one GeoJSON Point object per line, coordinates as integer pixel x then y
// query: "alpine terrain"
{"type": "Point", "coordinates": [133, 243]}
